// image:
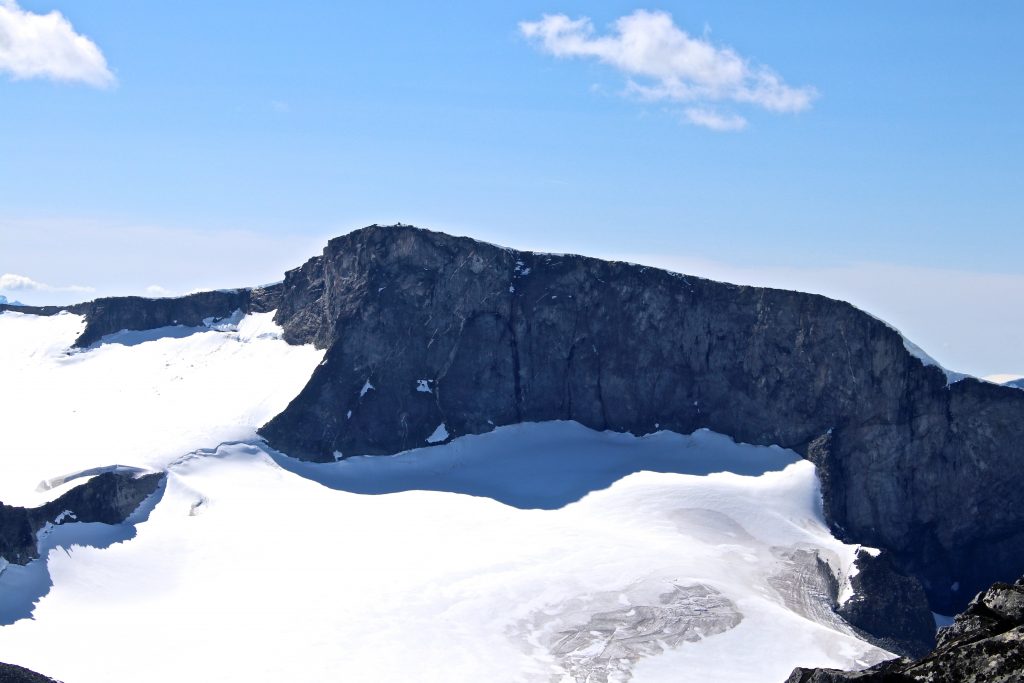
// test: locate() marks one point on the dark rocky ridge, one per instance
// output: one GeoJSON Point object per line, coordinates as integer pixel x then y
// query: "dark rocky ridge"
{"type": "Point", "coordinates": [907, 463]}
{"type": "Point", "coordinates": [985, 644]}
{"type": "Point", "coordinates": [108, 498]}
{"type": "Point", "coordinates": [113, 314]}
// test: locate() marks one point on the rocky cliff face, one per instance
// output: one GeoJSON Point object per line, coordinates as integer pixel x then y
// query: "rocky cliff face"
{"type": "Point", "coordinates": [429, 336]}
{"type": "Point", "coordinates": [113, 314]}
{"type": "Point", "coordinates": [108, 498]}
{"type": "Point", "coordinates": [985, 644]}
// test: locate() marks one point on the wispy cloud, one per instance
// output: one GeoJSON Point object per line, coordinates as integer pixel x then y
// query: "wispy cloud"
{"type": "Point", "coordinates": [157, 291]}
{"type": "Point", "coordinates": [665, 63]}
{"type": "Point", "coordinates": [12, 282]}
{"type": "Point", "coordinates": [709, 118]}
{"type": "Point", "coordinates": [47, 46]}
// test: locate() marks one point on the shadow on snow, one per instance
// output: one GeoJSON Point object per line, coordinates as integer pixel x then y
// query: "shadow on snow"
{"type": "Point", "coordinates": [22, 586]}
{"type": "Point", "coordinates": [540, 465]}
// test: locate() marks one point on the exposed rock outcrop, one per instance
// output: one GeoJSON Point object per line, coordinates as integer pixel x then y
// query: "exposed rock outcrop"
{"type": "Point", "coordinates": [108, 498]}
{"type": "Point", "coordinates": [429, 335]}
{"type": "Point", "coordinates": [887, 608]}
{"type": "Point", "coordinates": [9, 673]}
{"type": "Point", "coordinates": [113, 314]}
{"type": "Point", "coordinates": [985, 644]}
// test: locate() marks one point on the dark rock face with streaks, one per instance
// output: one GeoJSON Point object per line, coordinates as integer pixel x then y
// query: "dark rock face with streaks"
{"type": "Point", "coordinates": [422, 329]}
{"type": "Point", "coordinates": [108, 498]}
{"type": "Point", "coordinates": [985, 644]}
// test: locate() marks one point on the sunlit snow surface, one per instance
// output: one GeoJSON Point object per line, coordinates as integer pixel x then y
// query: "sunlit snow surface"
{"type": "Point", "coordinates": [130, 401]}
{"type": "Point", "coordinates": [533, 553]}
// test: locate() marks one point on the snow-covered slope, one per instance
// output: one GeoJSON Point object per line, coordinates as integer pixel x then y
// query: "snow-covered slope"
{"type": "Point", "coordinates": [140, 398]}
{"type": "Point", "coordinates": [532, 553]}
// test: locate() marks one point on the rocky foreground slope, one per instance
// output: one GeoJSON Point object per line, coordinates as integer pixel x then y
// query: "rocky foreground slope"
{"type": "Point", "coordinates": [985, 644]}
{"type": "Point", "coordinates": [10, 673]}
{"type": "Point", "coordinates": [430, 336]}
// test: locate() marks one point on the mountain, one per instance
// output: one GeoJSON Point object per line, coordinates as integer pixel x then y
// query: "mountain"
{"type": "Point", "coordinates": [908, 462]}
{"type": "Point", "coordinates": [541, 385]}
{"type": "Point", "coordinates": [1015, 383]}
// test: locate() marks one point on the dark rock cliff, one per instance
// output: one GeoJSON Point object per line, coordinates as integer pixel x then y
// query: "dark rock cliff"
{"type": "Point", "coordinates": [887, 608]}
{"type": "Point", "coordinates": [113, 314]}
{"type": "Point", "coordinates": [108, 498]}
{"type": "Point", "coordinates": [985, 644]}
{"type": "Point", "coordinates": [422, 329]}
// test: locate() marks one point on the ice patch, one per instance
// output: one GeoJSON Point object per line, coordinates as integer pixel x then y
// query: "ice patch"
{"type": "Point", "coordinates": [439, 434]}
{"type": "Point", "coordinates": [228, 324]}
{"type": "Point", "coordinates": [423, 386]}
{"type": "Point", "coordinates": [366, 387]}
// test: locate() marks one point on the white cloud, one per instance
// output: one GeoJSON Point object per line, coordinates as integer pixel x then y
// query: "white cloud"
{"type": "Point", "coordinates": [12, 282]}
{"type": "Point", "coordinates": [700, 116]}
{"type": "Point", "coordinates": [158, 292]}
{"type": "Point", "coordinates": [47, 46]}
{"type": "Point", "coordinates": [671, 65]}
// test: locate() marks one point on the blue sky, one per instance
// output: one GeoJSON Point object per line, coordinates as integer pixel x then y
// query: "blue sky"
{"type": "Point", "coordinates": [224, 142]}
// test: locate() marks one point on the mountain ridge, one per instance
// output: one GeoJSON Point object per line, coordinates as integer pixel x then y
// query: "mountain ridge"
{"type": "Point", "coordinates": [426, 332]}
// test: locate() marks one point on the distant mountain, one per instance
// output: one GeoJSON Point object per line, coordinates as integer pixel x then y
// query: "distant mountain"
{"type": "Point", "coordinates": [1015, 383]}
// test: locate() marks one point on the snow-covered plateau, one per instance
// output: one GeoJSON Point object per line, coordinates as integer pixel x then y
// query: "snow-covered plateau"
{"type": "Point", "coordinates": [536, 552]}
